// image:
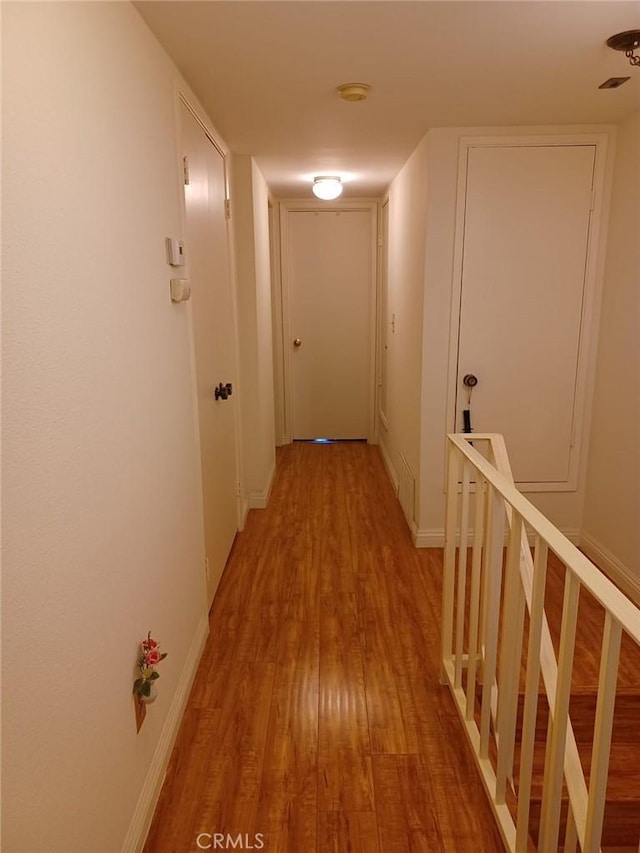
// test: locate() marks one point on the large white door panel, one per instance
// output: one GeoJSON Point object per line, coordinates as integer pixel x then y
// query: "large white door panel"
{"type": "Point", "coordinates": [526, 232]}
{"type": "Point", "coordinates": [212, 320]}
{"type": "Point", "coordinates": [329, 297]}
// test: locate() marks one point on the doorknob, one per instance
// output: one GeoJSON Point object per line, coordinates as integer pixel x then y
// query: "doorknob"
{"type": "Point", "coordinates": [221, 392]}
{"type": "Point", "coordinates": [297, 342]}
{"type": "Point", "coordinates": [469, 380]}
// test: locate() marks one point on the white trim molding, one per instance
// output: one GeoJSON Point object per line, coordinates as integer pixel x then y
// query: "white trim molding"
{"type": "Point", "coordinates": [259, 499]}
{"type": "Point", "coordinates": [434, 537]}
{"type": "Point", "coordinates": [243, 511]}
{"type": "Point", "coordinates": [621, 575]}
{"type": "Point", "coordinates": [391, 471]}
{"type": "Point", "coordinates": [147, 801]}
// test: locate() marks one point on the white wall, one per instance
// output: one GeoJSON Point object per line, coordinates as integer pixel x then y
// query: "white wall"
{"type": "Point", "coordinates": [102, 517]}
{"type": "Point", "coordinates": [408, 195]}
{"type": "Point", "coordinates": [442, 145]}
{"type": "Point", "coordinates": [612, 507]}
{"type": "Point", "coordinates": [250, 224]}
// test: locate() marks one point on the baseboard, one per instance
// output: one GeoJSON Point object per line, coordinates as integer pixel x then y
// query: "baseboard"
{"type": "Point", "coordinates": [434, 538]}
{"type": "Point", "coordinates": [243, 510]}
{"type": "Point", "coordinates": [428, 538]}
{"type": "Point", "coordinates": [572, 534]}
{"type": "Point", "coordinates": [620, 574]}
{"type": "Point", "coordinates": [388, 465]}
{"type": "Point", "coordinates": [260, 499]}
{"type": "Point", "coordinates": [143, 814]}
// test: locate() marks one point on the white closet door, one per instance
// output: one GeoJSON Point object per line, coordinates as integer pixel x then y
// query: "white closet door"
{"type": "Point", "coordinates": [329, 268]}
{"type": "Point", "coordinates": [214, 344]}
{"type": "Point", "coordinates": [526, 231]}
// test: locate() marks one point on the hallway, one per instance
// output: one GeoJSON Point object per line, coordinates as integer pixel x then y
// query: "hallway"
{"type": "Point", "coordinates": [316, 721]}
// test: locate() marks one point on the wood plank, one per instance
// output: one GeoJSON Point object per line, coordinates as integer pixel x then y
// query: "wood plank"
{"type": "Point", "coordinates": [177, 810]}
{"type": "Point", "coordinates": [406, 808]}
{"type": "Point", "coordinates": [344, 751]}
{"type": "Point", "coordinates": [214, 787]}
{"type": "Point", "coordinates": [356, 832]}
{"type": "Point", "coordinates": [288, 794]}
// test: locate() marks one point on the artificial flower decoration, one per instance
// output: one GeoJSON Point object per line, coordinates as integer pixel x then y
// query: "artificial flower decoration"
{"type": "Point", "coordinates": [150, 656]}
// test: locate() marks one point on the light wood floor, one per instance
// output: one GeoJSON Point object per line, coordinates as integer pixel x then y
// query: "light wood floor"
{"type": "Point", "coordinates": [317, 718]}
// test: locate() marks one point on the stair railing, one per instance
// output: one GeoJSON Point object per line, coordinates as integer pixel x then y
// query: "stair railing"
{"type": "Point", "coordinates": [482, 644]}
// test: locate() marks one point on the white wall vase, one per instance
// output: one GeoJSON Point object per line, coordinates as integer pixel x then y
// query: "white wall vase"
{"type": "Point", "coordinates": [153, 695]}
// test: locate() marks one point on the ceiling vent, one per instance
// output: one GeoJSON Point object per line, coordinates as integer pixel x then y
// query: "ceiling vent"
{"type": "Point", "coordinates": [613, 82]}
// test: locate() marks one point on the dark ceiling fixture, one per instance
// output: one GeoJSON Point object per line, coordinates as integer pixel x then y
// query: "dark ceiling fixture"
{"type": "Point", "coordinates": [627, 42]}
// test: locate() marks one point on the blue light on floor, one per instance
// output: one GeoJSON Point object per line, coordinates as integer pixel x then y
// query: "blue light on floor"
{"type": "Point", "coordinates": [323, 441]}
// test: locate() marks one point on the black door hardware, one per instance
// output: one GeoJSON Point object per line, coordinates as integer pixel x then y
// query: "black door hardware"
{"type": "Point", "coordinates": [222, 392]}
{"type": "Point", "coordinates": [469, 381]}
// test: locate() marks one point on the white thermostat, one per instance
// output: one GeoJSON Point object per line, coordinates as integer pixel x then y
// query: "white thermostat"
{"type": "Point", "coordinates": [175, 252]}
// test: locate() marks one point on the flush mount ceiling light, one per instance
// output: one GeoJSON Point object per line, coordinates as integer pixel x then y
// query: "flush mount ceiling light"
{"type": "Point", "coordinates": [327, 187]}
{"type": "Point", "coordinates": [353, 91]}
{"type": "Point", "coordinates": [627, 42]}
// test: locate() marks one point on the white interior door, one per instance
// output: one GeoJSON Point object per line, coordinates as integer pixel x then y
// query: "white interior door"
{"type": "Point", "coordinates": [329, 282]}
{"type": "Point", "coordinates": [526, 231]}
{"type": "Point", "coordinates": [207, 254]}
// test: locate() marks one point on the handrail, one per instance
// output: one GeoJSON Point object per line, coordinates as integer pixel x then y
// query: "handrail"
{"type": "Point", "coordinates": [598, 584]}
{"type": "Point", "coordinates": [524, 584]}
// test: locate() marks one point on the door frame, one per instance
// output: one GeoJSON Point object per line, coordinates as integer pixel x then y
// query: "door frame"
{"type": "Point", "coordinates": [284, 332]}
{"type": "Point", "coordinates": [593, 281]}
{"type": "Point", "coordinates": [383, 303]}
{"type": "Point", "coordinates": [183, 96]}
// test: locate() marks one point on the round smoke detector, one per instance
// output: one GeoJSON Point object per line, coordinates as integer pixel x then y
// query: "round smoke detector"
{"type": "Point", "coordinates": [353, 91]}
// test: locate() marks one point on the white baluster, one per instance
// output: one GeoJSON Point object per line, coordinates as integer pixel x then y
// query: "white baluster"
{"type": "Point", "coordinates": [557, 734]}
{"type": "Point", "coordinates": [492, 611]}
{"type": "Point", "coordinates": [474, 598]}
{"type": "Point", "coordinates": [511, 657]}
{"type": "Point", "coordinates": [536, 619]}
{"type": "Point", "coordinates": [611, 638]}
{"type": "Point", "coordinates": [449, 557]}
{"type": "Point", "coordinates": [462, 571]}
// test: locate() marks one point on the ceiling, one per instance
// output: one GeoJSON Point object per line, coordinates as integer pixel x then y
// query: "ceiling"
{"type": "Point", "coordinates": [267, 72]}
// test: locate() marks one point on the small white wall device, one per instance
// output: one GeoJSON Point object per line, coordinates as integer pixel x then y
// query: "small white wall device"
{"type": "Point", "coordinates": [175, 252]}
{"type": "Point", "coordinates": [180, 289]}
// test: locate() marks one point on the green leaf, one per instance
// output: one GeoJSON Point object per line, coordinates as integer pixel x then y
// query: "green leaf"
{"type": "Point", "coordinates": [146, 688]}
{"type": "Point", "coordinates": [137, 685]}
{"type": "Point", "coordinates": [163, 656]}
{"type": "Point", "coordinates": [154, 675]}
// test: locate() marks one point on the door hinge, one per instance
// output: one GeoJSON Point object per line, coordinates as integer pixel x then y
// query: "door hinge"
{"type": "Point", "coordinates": [227, 208]}
{"type": "Point", "coordinates": [185, 170]}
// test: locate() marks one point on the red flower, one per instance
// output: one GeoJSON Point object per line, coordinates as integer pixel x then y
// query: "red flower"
{"type": "Point", "coordinates": [152, 657]}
